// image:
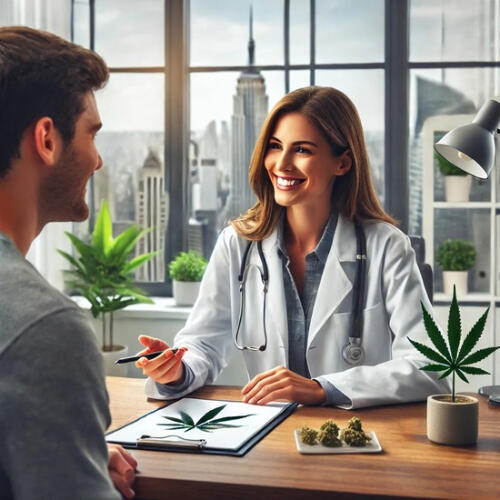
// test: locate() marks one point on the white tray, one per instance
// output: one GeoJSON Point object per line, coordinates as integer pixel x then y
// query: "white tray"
{"type": "Point", "coordinates": [372, 447]}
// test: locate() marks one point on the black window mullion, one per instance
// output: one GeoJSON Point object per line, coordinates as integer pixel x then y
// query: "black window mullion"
{"type": "Point", "coordinates": [72, 21]}
{"type": "Point", "coordinates": [287, 44]}
{"type": "Point", "coordinates": [92, 200]}
{"type": "Point", "coordinates": [396, 110]}
{"type": "Point", "coordinates": [176, 125]}
{"type": "Point", "coordinates": [312, 43]}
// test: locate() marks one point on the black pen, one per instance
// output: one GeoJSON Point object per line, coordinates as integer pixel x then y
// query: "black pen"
{"type": "Point", "coordinates": [151, 355]}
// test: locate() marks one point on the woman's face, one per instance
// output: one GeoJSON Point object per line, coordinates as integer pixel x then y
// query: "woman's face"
{"type": "Point", "coordinates": [300, 163]}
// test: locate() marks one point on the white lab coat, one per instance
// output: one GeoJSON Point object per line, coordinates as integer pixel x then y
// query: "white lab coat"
{"type": "Point", "coordinates": [392, 313]}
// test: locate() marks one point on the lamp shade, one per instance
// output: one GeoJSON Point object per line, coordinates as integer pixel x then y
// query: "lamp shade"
{"type": "Point", "coordinates": [472, 147]}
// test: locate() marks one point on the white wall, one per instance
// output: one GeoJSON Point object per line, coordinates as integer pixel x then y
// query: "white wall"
{"type": "Point", "coordinates": [164, 324]}
{"type": "Point", "coordinates": [164, 320]}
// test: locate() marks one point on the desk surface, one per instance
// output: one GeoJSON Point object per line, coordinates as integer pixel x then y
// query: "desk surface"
{"type": "Point", "coordinates": [409, 465]}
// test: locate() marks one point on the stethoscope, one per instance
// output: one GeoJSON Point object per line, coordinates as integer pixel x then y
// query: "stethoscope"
{"type": "Point", "coordinates": [353, 353]}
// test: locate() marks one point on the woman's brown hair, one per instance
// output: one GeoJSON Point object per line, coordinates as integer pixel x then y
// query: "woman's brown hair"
{"type": "Point", "coordinates": [336, 117]}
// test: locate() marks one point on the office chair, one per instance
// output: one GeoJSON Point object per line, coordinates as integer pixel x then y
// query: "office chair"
{"type": "Point", "coordinates": [418, 244]}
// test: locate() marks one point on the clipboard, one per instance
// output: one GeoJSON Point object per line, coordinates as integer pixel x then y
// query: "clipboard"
{"type": "Point", "coordinates": [187, 445]}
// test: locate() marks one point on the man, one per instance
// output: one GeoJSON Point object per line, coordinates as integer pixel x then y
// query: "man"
{"type": "Point", "coordinates": [53, 401]}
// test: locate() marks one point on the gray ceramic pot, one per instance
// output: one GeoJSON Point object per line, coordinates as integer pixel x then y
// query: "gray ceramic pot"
{"type": "Point", "coordinates": [452, 423]}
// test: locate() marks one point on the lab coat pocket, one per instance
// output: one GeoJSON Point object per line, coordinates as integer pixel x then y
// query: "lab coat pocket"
{"type": "Point", "coordinates": [325, 351]}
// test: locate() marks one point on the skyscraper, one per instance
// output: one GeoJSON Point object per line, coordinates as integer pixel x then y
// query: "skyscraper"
{"type": "Point", "coordinates": [250, 106]}
{"type": "Point", "coordinates": [151, 213]}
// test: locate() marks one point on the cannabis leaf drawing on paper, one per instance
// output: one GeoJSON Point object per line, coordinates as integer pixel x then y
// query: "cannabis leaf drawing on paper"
{"type": "Point", "coordinates": [206, 423]}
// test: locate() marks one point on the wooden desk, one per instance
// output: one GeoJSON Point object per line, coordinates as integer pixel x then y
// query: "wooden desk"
{"type": "Point", "coordinates": [409, 465]}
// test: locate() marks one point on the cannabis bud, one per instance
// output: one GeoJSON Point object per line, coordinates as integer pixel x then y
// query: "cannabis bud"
{"type": "Point", "coordinates": [327, 437]}
{"type": "Point", "coordinates": [308, 435]}
{"type": "Point", "coordinates": [355, 424]}
{"type": "Point", "coordinates": [354, 435]}
{"type": "Point", "coordinates": [330, 425]}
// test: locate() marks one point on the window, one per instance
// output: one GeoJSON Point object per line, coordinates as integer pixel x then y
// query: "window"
{"type": "Point", "coordinates": [267, 50]}
{"type": "Point", "coordinates": [194, 115]}
{"type": "Point", "coordinates": [454, 67]}
{"type": "Point", "coordinates": [132, 109]}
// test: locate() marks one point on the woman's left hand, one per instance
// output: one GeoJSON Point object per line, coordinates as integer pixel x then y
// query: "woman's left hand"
{"type": "Point", "coordinates": [281, 384]}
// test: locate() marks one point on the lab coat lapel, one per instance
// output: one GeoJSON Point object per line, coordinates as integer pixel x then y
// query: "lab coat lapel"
{"type": "Point", "coordinates": [334, 284]}
{"type": "Point", "coordinates": [276, 301]}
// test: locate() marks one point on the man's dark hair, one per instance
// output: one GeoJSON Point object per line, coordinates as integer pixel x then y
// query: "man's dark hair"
{"type": "Point", "coordinates": [42, 75]}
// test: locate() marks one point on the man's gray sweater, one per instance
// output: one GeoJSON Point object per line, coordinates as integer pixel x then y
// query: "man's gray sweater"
{"type": "Point", "coordinates": [53, 401]}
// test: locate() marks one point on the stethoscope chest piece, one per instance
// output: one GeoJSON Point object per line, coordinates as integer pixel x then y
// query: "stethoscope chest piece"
{"type": "Point", "coordinates": [353, 353]}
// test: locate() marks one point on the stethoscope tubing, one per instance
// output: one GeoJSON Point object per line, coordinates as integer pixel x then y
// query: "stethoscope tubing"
{"type": "Point", "coordinates": [353, 352]}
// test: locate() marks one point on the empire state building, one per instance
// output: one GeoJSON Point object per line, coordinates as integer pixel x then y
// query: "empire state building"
{"type": "Point", "coordinates": [250, 106]}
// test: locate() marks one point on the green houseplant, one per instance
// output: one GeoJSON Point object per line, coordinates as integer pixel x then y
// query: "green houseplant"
{"type": "Point", "coordinates": [451, 418]}
{"type": "Point", "coordinates": [102, 272]}
{"type": "Point", "coordinates": [186, 272]}
{"type": "Point", "coordinates": [455, 257]}
{"type": "Point", "coordinates": [457, 183]}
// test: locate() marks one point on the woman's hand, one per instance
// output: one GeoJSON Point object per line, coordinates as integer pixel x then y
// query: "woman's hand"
{"type": "Point", "coordinates": [281, 384]}
{"type": "Point", "coordinates": [167, 368]}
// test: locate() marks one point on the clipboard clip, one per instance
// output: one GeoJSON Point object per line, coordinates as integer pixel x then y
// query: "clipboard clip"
{"type": "Point", "coordinates": [164, 442]}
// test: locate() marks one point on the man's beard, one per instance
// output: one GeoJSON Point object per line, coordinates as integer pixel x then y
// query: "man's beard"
{"type": "Point", "coordinates": [62, 192]}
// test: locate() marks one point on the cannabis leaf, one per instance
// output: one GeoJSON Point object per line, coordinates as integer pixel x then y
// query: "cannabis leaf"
{"type": "Point", "coordinates": [453, 359]}
{"type": "Point", "coordinates": [206, 423]}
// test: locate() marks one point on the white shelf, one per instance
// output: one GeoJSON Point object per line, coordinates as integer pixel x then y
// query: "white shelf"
{"type": "Point", "coordinates": [463, 205]}
{"type": "Point", "coordinates": [487, 249]}
{"type": "Point", "coordinates": [470, 297]}
{"type": "Point", "coordinates": [163, 308]}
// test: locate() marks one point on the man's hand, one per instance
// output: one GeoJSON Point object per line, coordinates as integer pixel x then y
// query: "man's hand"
{"type": "Point", "coordinates": [122, 466]}
{"type": "Point", "coordinates": [281, 384]}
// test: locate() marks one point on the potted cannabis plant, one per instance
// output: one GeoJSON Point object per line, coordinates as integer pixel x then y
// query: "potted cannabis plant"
{"type": "Point", "coordinates": [455, 257]}
{"type": "Point", "coordinates": [453, 418]}
{"type": "Point", "coordinates": [186, 271]}
{"type": "Point", "coordinates": [457, 183]}
{"type": "Point", "coordinates": [103, 274]}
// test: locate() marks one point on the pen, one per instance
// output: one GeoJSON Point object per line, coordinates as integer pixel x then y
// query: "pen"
{"type": "Point", "coordinates": [151, 355]}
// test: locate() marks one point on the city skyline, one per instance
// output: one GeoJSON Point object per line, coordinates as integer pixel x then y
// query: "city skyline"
{"type": "Point", "coordinates": [218, 104]}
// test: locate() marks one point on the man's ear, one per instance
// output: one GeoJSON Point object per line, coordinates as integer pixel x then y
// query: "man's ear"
{"type": "Point", "coordinates": [47, 141]}
{"type": "Point", "coordinates": [345, 163]}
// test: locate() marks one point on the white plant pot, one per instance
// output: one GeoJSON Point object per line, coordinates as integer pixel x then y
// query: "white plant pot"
{"type": "Point", "coordinates": [457, 278]}
{"type": "Point", "coordinates": [186, 292]}
{"type": "Point", "coordinates": [110, 368]}
{"type": "Point", "coordinates": [452, 423]}
{"type": "Point", "coordinates": [457, 187]}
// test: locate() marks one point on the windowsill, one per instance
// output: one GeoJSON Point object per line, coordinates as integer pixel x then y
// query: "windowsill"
{"type": "Point", "coordinates": [163, 308]}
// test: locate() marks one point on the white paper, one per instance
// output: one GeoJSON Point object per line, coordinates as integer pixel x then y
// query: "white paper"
{"type": "Point", "coordinates": [224, 439]}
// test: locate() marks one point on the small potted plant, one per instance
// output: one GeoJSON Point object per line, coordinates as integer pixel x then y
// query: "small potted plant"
{"type": "Point", "coordinates": [457, 183]}
{"type": "Point", "coordinates": [186, 271]}
{"type": "Point", "coordinates": [103, 274]}
{"type": "Point", "coordinates": [455, 257]}
{"type": "Point", "coordinates": [453, 418]}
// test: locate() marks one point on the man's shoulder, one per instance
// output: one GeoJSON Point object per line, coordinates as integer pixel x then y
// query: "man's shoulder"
{"type": "Point", "coordinates": [26, 297]}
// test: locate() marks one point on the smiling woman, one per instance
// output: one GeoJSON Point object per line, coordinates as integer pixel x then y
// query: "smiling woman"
{"type": "Point", "coordinates": [323, 307]}
{"type": "Point", "coordinates": [301, 164]}
{"type": "Point", "coordinates": [327, 122]}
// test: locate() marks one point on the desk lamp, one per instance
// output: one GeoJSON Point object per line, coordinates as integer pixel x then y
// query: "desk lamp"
{"type": "Point", "coordinates": [472, 149]}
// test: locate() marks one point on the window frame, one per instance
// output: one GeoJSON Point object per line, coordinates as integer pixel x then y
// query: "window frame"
{"type": "Point", "coordinates": [177, 71]}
